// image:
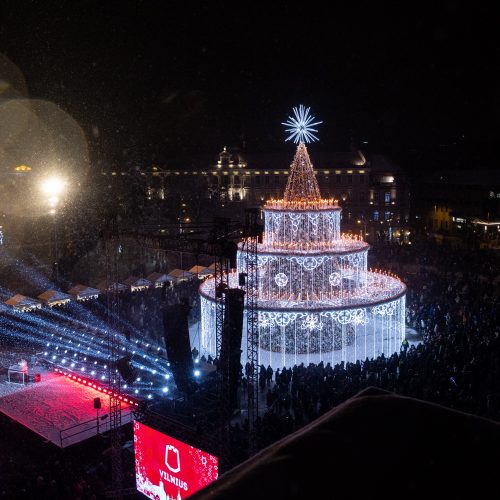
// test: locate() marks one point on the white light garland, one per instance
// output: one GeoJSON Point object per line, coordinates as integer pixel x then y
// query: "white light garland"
{"type": "Point", "coordinates": [317, 301]}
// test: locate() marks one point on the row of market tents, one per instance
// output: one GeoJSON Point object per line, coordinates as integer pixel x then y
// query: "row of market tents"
{"type": "Point", "coordinates": [80, 292]}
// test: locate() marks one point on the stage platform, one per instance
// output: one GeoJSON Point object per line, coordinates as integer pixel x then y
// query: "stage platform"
{"type": "Point", "coordinates": [58, 409]}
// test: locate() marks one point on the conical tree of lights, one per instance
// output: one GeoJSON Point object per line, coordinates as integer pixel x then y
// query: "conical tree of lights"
{"type": "Point", "coordinates": [316, 298]}
{"type": "Point", "coordinates": [302, 184]}
{"type": "Point", "coordinates": [302, 190]}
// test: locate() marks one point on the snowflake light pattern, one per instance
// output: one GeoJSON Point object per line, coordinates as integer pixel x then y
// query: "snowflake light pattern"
{"type": "Point", "coordinates": [335, 278]}
{"type": "Point", "coordinates": [300, 126]}
{"type": "Point", "coordinates": [281, 279]}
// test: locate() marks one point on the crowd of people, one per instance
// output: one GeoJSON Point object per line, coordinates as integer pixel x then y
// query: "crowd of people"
{"type": "Point", "coordinates": [453, 302]}
{"type": "Point", "coordinates": [143, 309]}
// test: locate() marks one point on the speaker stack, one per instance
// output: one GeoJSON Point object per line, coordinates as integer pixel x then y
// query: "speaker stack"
{"type": "Point", "coordinates": [178, 347]}
{"type": "Point", "coordinates": [229, 363]}
{"type": "Point", "coordinates": [125, 369]}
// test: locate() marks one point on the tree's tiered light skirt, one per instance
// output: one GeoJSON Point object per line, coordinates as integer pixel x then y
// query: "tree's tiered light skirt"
{"type": "Point", "coordinates": [316, 299]}
{"type": "Point", "coordinates": [359, 325]}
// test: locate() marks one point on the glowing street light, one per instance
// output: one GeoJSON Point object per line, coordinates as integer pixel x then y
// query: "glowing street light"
{"type": "Point", "coordinates": [363, 233]}
{"type": "Point", "coordinates": [53, 188]}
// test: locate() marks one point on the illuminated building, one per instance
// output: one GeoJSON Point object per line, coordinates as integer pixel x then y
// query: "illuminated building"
{"type": "Point", "coordinates": [459, 203]}
{"type": "Point", "coordinates": [370, 188]}
{"type": "Point", "coordinates": [317, 301]}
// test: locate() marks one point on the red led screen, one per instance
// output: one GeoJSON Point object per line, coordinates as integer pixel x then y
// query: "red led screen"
{"type": "Point", "coordinates": [169, 469]}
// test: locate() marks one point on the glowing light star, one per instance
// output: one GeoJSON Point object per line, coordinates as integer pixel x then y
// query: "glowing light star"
{"type": "Point", "coordinates": [301, 126]}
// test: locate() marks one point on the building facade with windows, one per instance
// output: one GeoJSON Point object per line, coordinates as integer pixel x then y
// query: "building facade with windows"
{"type": "Point", "coordinates": [460, 202]}
{"type": "Point", "coordinates": [372, 191]}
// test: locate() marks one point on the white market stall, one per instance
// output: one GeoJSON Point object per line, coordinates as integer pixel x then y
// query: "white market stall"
{"type": "Point", "coordinates": [54, 298]}
{"type": "Point", "coordinates": [160, 279]}
{"type": "Point", "coordinates": [23, 304]}
{"type": "Point", "coordinates": [137, 284]}
{"type": "Point", "coordinates": [83, 292]}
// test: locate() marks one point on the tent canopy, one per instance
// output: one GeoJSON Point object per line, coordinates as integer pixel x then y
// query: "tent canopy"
{"type": "Point", "coordinates": [54, 297]}
{"type": "Point", "coordinates": [107, 286]}
{"type": "Point", "coordinates": [159, 279]}
{"type": "Point", "coordinates": [23, 303]}
{"type": "Point", "coordinates": [136, 283]}
{"type": "Point", "coordinates": [82, 292]}
{"type": "Point", "coordinates": [201, 270]}
{"type": "Point", "coordinates": [180, 275]}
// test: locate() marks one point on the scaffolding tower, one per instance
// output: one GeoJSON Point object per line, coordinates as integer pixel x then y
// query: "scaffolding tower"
{"type": "Point", "coordinates": [115, 409]}
{"type": "Point", "coordinates": [252, 232]}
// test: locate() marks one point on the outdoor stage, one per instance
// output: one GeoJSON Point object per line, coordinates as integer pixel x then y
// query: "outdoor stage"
{"type": "Point", "coordinates": [57, 408]}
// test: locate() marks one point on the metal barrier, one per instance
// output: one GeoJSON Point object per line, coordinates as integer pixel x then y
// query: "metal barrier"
{"type": "Point", "coordinates": [98, 425]}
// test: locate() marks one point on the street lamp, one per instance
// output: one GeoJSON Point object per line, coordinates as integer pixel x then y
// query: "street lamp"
{"type": "Point", "coordinates": [363, 231]}
{"type": "Point", "coordinates": [53, 187]}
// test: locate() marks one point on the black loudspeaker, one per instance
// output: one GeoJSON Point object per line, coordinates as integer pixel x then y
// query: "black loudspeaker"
{"type": "Point", "coordinates": [178, 347]}
{"type": "Point", "coordinates": [125, 369]}
{"type": "Point", "coordinates": [97, 403]}
{"type": "Point", "coordinates": [229, 363]}
{"type": "Point", "coordinates": [260, 233]}
{"type": "Point", "coordinates": [242, 279]}
{"type": "Point", "coordinates": [229, 251]}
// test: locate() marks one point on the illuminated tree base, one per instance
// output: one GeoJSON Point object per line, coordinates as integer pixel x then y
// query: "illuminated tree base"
{"type": "Point", "coordinates": [313, 342]}
{"type": "Point", "coordinates": [287, 338]}
{"type": "Point", "coordinates": [315, 297]}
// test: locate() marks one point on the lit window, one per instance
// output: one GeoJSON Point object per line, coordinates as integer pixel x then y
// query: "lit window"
{"type": "Point", "coordinates": [387, 197]}
{"type": "Point", "coordinates": [375, 215]}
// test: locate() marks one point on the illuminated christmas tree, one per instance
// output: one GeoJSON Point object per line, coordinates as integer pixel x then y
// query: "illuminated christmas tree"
{"type": "Point", "coordinates": [317, 301]}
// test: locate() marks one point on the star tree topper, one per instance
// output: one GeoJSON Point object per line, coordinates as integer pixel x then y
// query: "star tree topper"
{"type": "Point", "coordinates": [300, 126]}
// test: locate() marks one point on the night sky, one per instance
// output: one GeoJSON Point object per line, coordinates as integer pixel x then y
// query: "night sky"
{"type": "Point", "coordinates": [148, 81]}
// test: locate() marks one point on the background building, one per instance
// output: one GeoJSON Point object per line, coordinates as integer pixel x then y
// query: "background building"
{"type": "Point", "coordinates": [372, 191]}
{"type": "Point", "coordinates": [460, 203]}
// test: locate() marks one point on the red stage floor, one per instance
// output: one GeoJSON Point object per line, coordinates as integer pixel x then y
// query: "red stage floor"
{"type": "Point", "coordinates": [58, 409]}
